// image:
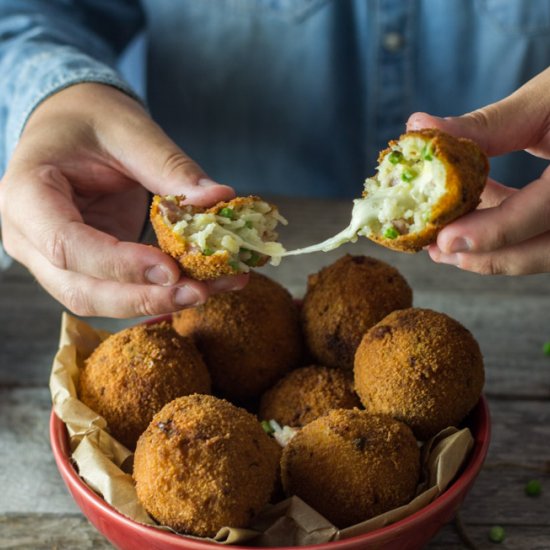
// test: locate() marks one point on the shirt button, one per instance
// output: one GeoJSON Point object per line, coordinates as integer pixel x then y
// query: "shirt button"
{"type": "Point", "coordinates": [393, 41]}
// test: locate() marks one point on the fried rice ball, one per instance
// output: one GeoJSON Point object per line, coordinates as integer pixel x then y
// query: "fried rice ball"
{"type": "Point", "coordinates": [424, 181]}
{"type": "Point", "coordinates": [350, 465]}
{"type": "Point", "coordinates": [226, 239]}
{"type": "Point", "coordinates": [132, 374]}
{"type": "Point", "coordinates": [249, 338]}
{"type": "Point", "coordinates": [422, 367]}
{"type": "Point", "coordinates": [204, 463]}
{"type": "Point", "coordinates": [307, 393]}
{"type": "Point", "coordinates": [344, 300]}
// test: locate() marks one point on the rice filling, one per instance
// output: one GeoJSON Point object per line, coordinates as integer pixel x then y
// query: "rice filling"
{"type": "Point", "coordinates": [246, 232]}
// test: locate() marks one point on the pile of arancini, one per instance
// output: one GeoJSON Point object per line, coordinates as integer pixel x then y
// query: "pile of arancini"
{"type": "Point", "coordinates": [361, 375]}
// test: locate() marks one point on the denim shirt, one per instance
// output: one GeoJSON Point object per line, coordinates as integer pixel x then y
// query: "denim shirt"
{"type": "Point", "coordinates": [291, 97]}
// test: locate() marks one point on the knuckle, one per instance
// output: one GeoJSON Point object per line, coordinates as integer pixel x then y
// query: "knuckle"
{"type": "Point", "coordinates": [145, 305]}
{"type": "Point", "coordinates": [77, 300]}
{"type": "Point", "coordinates": [119, 273]}
{"type": "Point", "coordinates": [500, 237]}
{"type": "Point", "coordinates": [480, 117]}
{"type": "Point", "coordinates": [489, 265]}
{"type": "Point", "coordinates": [117, 270]}
{"type": "Point", "coordinates": [55, 248]}
{"type": "Point", "coordinates": [487, 117]}
{"type": "Point", "coordinates": [177, 164]}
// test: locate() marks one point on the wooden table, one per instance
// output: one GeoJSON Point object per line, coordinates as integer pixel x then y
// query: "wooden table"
{"type": "Point", "coordinates": [509, 317]}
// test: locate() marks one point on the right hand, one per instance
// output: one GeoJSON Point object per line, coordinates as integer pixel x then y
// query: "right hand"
{"type": "Point", "coordinates": [509, 233]}
{"type": "Point", "coordinates": [74, 197]}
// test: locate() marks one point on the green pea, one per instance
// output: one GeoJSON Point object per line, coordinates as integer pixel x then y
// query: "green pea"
{"type": "Point", "coordinates": [497, 534]}
{"type": "Point", "coordinates": [251, 257]}
{"type": "Point", "coordinates": [427, 151]}
{"type": "Point", "coordinates": [254, 259]}
{"type": "Point", "coordinates": [533, 488]}
{"type": "Point", "coordinates": [391, 233]}
{"type": "Point", "coordinates": [395, 157]}
{"type": "Point", "coordinates": [268, 428]}
{"type": "Point", "coordinates": [208, 252]}
{"type": "Point", "coordinates": [227, 213]}
{"type": "Point", "coordinates": [234, 265]}
{"type": "Point", "coordinates": [408, 174]}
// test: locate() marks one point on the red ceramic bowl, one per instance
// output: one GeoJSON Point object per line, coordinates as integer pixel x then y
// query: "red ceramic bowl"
{"type": "Point", "coordinates": [410, 533]}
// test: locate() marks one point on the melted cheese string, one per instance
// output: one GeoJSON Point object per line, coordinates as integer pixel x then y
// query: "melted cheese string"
{"type": "Point", "coordinates": [362, 214]}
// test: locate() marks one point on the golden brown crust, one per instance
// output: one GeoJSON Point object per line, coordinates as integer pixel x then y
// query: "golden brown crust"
{"type": "Point", "coordinates": [350, 465]}
{"type": "Point", "coordinates": [467, 169]}
{"type": "Point", "coordinates": [193, 262]}
{"type": "Point", "coordinates": [203, 464]}
{"type": "Point", "coordinates": [421, 367]}
{"type": "Point", "coordinates": [135, 372]}
{"type": "Point", "coordinates": [306, 394]}
{"type": "Point", "coordinates": [249, 338]}
{"type": "Point", "coordinates": [344, 300]}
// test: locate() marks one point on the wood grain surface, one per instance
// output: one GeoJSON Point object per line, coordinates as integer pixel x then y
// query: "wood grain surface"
{"type": "Point", "coordinates": [509, 316]}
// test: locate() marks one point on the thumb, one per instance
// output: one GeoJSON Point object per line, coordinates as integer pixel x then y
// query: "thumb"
{"type": "Point", "coordinates": [149, 156]}
{"type": "Point", "coordinates": [516, 122]}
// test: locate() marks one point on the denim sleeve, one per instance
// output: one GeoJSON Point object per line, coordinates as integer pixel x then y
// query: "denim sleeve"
{"type": "Point", "coordinates": [48, 45]}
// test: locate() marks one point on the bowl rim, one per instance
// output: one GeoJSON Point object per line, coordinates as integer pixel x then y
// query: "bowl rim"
{"type": "Point", "coordinates": [482, 436]}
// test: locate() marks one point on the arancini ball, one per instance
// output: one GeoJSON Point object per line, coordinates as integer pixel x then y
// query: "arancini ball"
{"type": "Point", "coordinates": [203, 464]}
{"type": "Point", "coordinates": [344, 300]}
{"type": "Point", "coordinates": [423, 181]}
{"type": "Point", "coordinates": [421, 367]}
{"type": "Point", "coordinates": [249, 338]}
{"type": "Point", "coordinates": [132, 374]}
{"type": "Point", "coordinates": [306, 393]}
{"type": "Point", "coordinates": [350, 465]}
{"type": "Point", "coordinates": [228, 238]}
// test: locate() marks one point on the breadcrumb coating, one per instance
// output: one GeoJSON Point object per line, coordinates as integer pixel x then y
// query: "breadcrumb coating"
{"type": "Point", "coordinates": [422, 367]}
{"type": "Point", "coordinates": [203, 464]}
{"type": "Point", "coordinates": [132, 374]}
{"type": "Point", "coordinates": [249, 338]}
{"type": "Point", "coordinates": [306, 394]}
{"type": "Point", "coordinates": [465, 167]}
{"type": "Point", "coordinates": [344, 300]}
{"type": "Point", "coordinates": [350, 465]}
{"type": "Point", "coordinates": [194, 261]}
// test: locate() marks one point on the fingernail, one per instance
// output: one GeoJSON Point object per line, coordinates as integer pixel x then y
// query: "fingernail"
{"type": "Point", "coordinates": [460, 245]}
{"type": "Point", "coordinates": [205, 182]}
{"type": "Point", "coordinates": [225, 284]}
{"type": "Point", "coordinates": [187, 296]}
{"type": "Point", "coordinates": [419, 122]}
{"type": "Point", "coordinates": [158, 275]}
{"type": "Point", "coordinates": [413, 124]}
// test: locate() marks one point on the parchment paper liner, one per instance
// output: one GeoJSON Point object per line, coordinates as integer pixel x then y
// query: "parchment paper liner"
{"type": "Point", "coordinates": [105, 464]}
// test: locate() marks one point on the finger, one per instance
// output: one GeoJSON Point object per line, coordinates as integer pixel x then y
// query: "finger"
{"type": "Point", "coordinates": [87, 296]}
{"type": "Point", "coordinates": [125, 135]}
{"type": "Point", "coordinates": [494, 193]}
{"type": "Point", "coordinates": [225, 284]}
{"type": "Point", "coordinates": [516, 122]}
{"type": "Point", "coordinates": [154, 160]}
{"type": "Point", "coordinates": [80, 248]}
{"type": "Point", "coordinates": [54, 228]}
{"type": "Point", "coordinates": [519, 217]}
{"type": "Point", "coordinates": [528, 257]}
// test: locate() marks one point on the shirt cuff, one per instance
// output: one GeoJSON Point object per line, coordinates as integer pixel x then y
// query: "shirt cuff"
{"type": "Point", "coordinates": [51, 72]}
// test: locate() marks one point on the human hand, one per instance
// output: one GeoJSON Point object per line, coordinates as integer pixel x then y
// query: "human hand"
{"type": "Point", "coordinates": [74, 196]}
{"type": "Point", "coordinates": [510, 231]}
